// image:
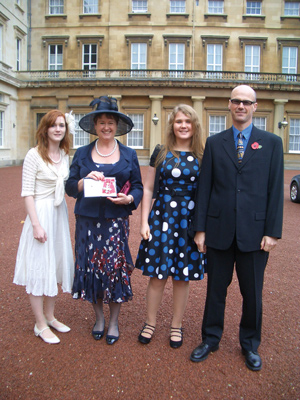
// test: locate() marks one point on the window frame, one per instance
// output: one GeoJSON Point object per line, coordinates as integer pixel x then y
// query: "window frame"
{"type": "Point", "coordinates": [134, 71]}
{"type": "Point", "coordinates": [291, 14]}
{"type": "Point", "coordinates": [174, 8]}
{"type": "Point", "coordinates": [134, 130]}
{"type": "Point", "coordinates": [80, 134]}
{"type": "Point", "coordinates": [56, 53]}
{"type": "Point", "coordinates": [212, 10]}
{"type": "Point", "coordinates": [138, 9]}
{"type": "Point", "coordinates": [251, 6]}
{"type": "Point", "coordinates": [216, 115]}
{"type": "Point", "coordinates": [96, 11]}
{"type": "Point", "coordinates": [89, 72]}
{"type": "Point", "coordinates": [18, 53]}
{"type": "Point", "coordinates": [2, 126]}
{"type": "Point", "coordinates": [50, 7]}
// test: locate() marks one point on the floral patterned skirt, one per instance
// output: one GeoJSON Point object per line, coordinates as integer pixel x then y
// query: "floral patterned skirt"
{"type": "Point", "coordinates": [103, 262]}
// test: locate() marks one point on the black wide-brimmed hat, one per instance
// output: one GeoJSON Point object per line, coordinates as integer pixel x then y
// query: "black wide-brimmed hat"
{"type": "Point", "coordinates": [106, 105]}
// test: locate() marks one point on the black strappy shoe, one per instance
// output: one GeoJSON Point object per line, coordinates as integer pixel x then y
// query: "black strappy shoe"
{"type": "Point", "coordinates": [176, 332]}
{"type": "Point", "coordinates": [143, 339]}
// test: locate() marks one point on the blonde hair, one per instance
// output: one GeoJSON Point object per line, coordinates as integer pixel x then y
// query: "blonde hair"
{"type": "Point", "coordinates": [42, 134]}
{"type": "Point", "coordinates": [197, 145]}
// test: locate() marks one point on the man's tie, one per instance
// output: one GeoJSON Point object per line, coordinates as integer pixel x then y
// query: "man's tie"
{"type": "Point", "coordinates": [240, 148]}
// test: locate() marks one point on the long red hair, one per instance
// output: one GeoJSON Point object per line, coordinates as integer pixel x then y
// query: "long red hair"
{"type": "Point", "coordinates": [42, 134]}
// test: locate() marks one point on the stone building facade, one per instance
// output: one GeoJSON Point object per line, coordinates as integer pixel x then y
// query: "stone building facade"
{"type": "Point", "coordinates": [151, 56]}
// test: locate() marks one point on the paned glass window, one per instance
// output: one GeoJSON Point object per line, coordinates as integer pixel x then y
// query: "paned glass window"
{"type": "Point", "coordinates": [260, 122]}
{"type": "Point", "coordinates": [294, 134]}
{"type": "Point", "coordinates": [138, 58]}
{"type": "Point", "coordinates": [89, 59]}
{"type": "Point", "coordinates": [90, 6]}
{"type": "Point", "coordinates": [18, 55]}
{"type": "Point", "coordinates": [56, 6]}
{"type": "Point", "coordinates": [292, 8]}
{"type": "Point", "coordinates": [215, 7]}
{"type": "Point", "coordinates": [1, 128]}
{"type": "Point", "coordinates": [55, 60]}
{"type": "Point", "coordinates": [217, 123]}
{"type": "Point", "coordinates": [289, 61]}
{"type": "Point", "coordinates": [135, 138]}
{"type": "Point", "coordinates": [253, 7]}
{"type": "Point", "coordinates": [176, 58]}
{"type": "Point", "coordinates": [252, 61]}
{"type": "Point", "coordinates": [177, 6]}
{"type": "Point", "coordinates": [139, 6]}
{"type": "Point", "coordinates": [214, 59]}
{"type": "Point", "coordinates": [80, 138]}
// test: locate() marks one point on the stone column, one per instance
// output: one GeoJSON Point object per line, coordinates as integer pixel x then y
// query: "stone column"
{"type": "Point", "coordinates": [62, 103]}
{"type": "Point", "coordinates": [155, 130]}
{"type": "Point", "coordinates": [118, 97]}
{"type": "Point", "coordinates": [278, 117]}
{"type": "Point", "coordinates": [198, 106]}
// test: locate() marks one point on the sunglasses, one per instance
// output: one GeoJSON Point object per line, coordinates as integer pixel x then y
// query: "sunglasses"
{"type": "Point", "coordinates": [237, 102]}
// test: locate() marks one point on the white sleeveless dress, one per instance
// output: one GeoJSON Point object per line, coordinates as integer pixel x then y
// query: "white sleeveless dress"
{"type": "Point", "coordinates": [41, 266]}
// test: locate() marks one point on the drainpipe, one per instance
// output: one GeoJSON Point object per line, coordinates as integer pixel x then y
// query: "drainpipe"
{"type": "Point", "coordinates": [29, 35]}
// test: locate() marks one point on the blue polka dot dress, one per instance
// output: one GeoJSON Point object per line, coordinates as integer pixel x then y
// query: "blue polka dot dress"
{"type": "Point", "coordinates": [170, 251]}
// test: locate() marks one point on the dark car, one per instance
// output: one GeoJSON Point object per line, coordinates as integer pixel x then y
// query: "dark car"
{"type": "Point", "coordinates": [295, 189]}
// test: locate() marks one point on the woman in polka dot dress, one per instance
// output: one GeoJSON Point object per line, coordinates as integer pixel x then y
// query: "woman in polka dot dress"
{"type": "Point", "coordinates": [166, 248]}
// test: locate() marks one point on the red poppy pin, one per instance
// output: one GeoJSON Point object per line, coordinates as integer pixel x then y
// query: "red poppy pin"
{"type": "Point", "coordinates": [256, 146]}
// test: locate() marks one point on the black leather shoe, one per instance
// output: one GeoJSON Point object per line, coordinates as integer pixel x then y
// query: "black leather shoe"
{"type": "Point", "coordinates": [253, 360]}
{"type": "Point", "coordinates": [149, 330]}
{"type": "Point", "coordinates": [202, 352]}
{"type": "Point", "coordinates": [110, 339]}
{"type": "Point", "coordinates": [176, 332]}
{"type": "Point", "coordinates": [97, 335]}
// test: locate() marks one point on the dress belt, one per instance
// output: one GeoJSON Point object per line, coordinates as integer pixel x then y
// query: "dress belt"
{"type": "Point", "coordinates": [179, 193]}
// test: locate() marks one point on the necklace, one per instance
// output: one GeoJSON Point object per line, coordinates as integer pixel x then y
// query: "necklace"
{"type": "Point", "coordinates": [55, 162]}
{"type": "Point", "coordinates": [106, 155]}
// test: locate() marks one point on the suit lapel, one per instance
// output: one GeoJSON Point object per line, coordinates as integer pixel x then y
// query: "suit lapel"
{"type": "Point", "coordinates": [229, 146]}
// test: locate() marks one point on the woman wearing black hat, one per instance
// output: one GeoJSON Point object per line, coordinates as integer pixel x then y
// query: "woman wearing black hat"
{"type": "Point", "coordinates": [103, 262]}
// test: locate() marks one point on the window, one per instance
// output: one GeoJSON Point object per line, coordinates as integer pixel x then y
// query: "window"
{"type": "Point", "coordinates": [139, 6]}
{"type": "Point", "coordinates": [1, 32]}
{"type": "Point", "coordinates": [39, 116]}
{"type": "Point", "coordinates": [55, 59]}
{"type": "Point", "coordinates": [260, 122]}
{"type": "Point", "coordinates": [135, 138]}
{"type": "Point", "coordinates": [217, 123]}
{"type": "Point", "coordinates": [90, 6]}
{"type": "Point", "coordinates": [292, 8]}
{"type": "Point", "coordinates": [215, 7]}
{"type": "Point", "coordinates": [176, 58]}
{"type": "Point", "coordinates": [80, 138]}
{"type": "Point", "coordinates": [138, 58]}
{"type": "Point", "coordinates": [214, 59]}
{"type": "Point", "coordinates": [177, 6]}
{"type": "Point", "coordinates": [253, 8]}
{"type": "Point", "coordinates": [56, 7]}
{"type": "Point", "coordinates": [294, 146]}
{"type": "Point", "coordinates": [289, 61]}
{"type": "Point", "coordinates": [89, 59]}
{"type": "Point", "coordinates": [18, 54]}
{"type": "Point", "coordinates": [252, 61]}
{"type": "Point", "coordinates": [1, 128]}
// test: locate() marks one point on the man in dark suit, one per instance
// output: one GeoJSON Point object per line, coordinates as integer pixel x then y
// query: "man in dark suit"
{"type": "Point", "coordinates": [238, 220]}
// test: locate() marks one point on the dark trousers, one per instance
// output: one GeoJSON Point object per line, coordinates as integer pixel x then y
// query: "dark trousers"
{"type": "Point", "coordinates": [250, 267]}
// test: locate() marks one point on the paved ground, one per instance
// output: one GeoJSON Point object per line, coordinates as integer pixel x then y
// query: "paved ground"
{"type": "Point", "coordinates": [80, 368]}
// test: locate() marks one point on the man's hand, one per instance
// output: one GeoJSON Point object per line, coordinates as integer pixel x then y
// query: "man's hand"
{"type": "Point", "coordinates": [268, 243]}
{"type": "Point", "coordinates": [199, 239]}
